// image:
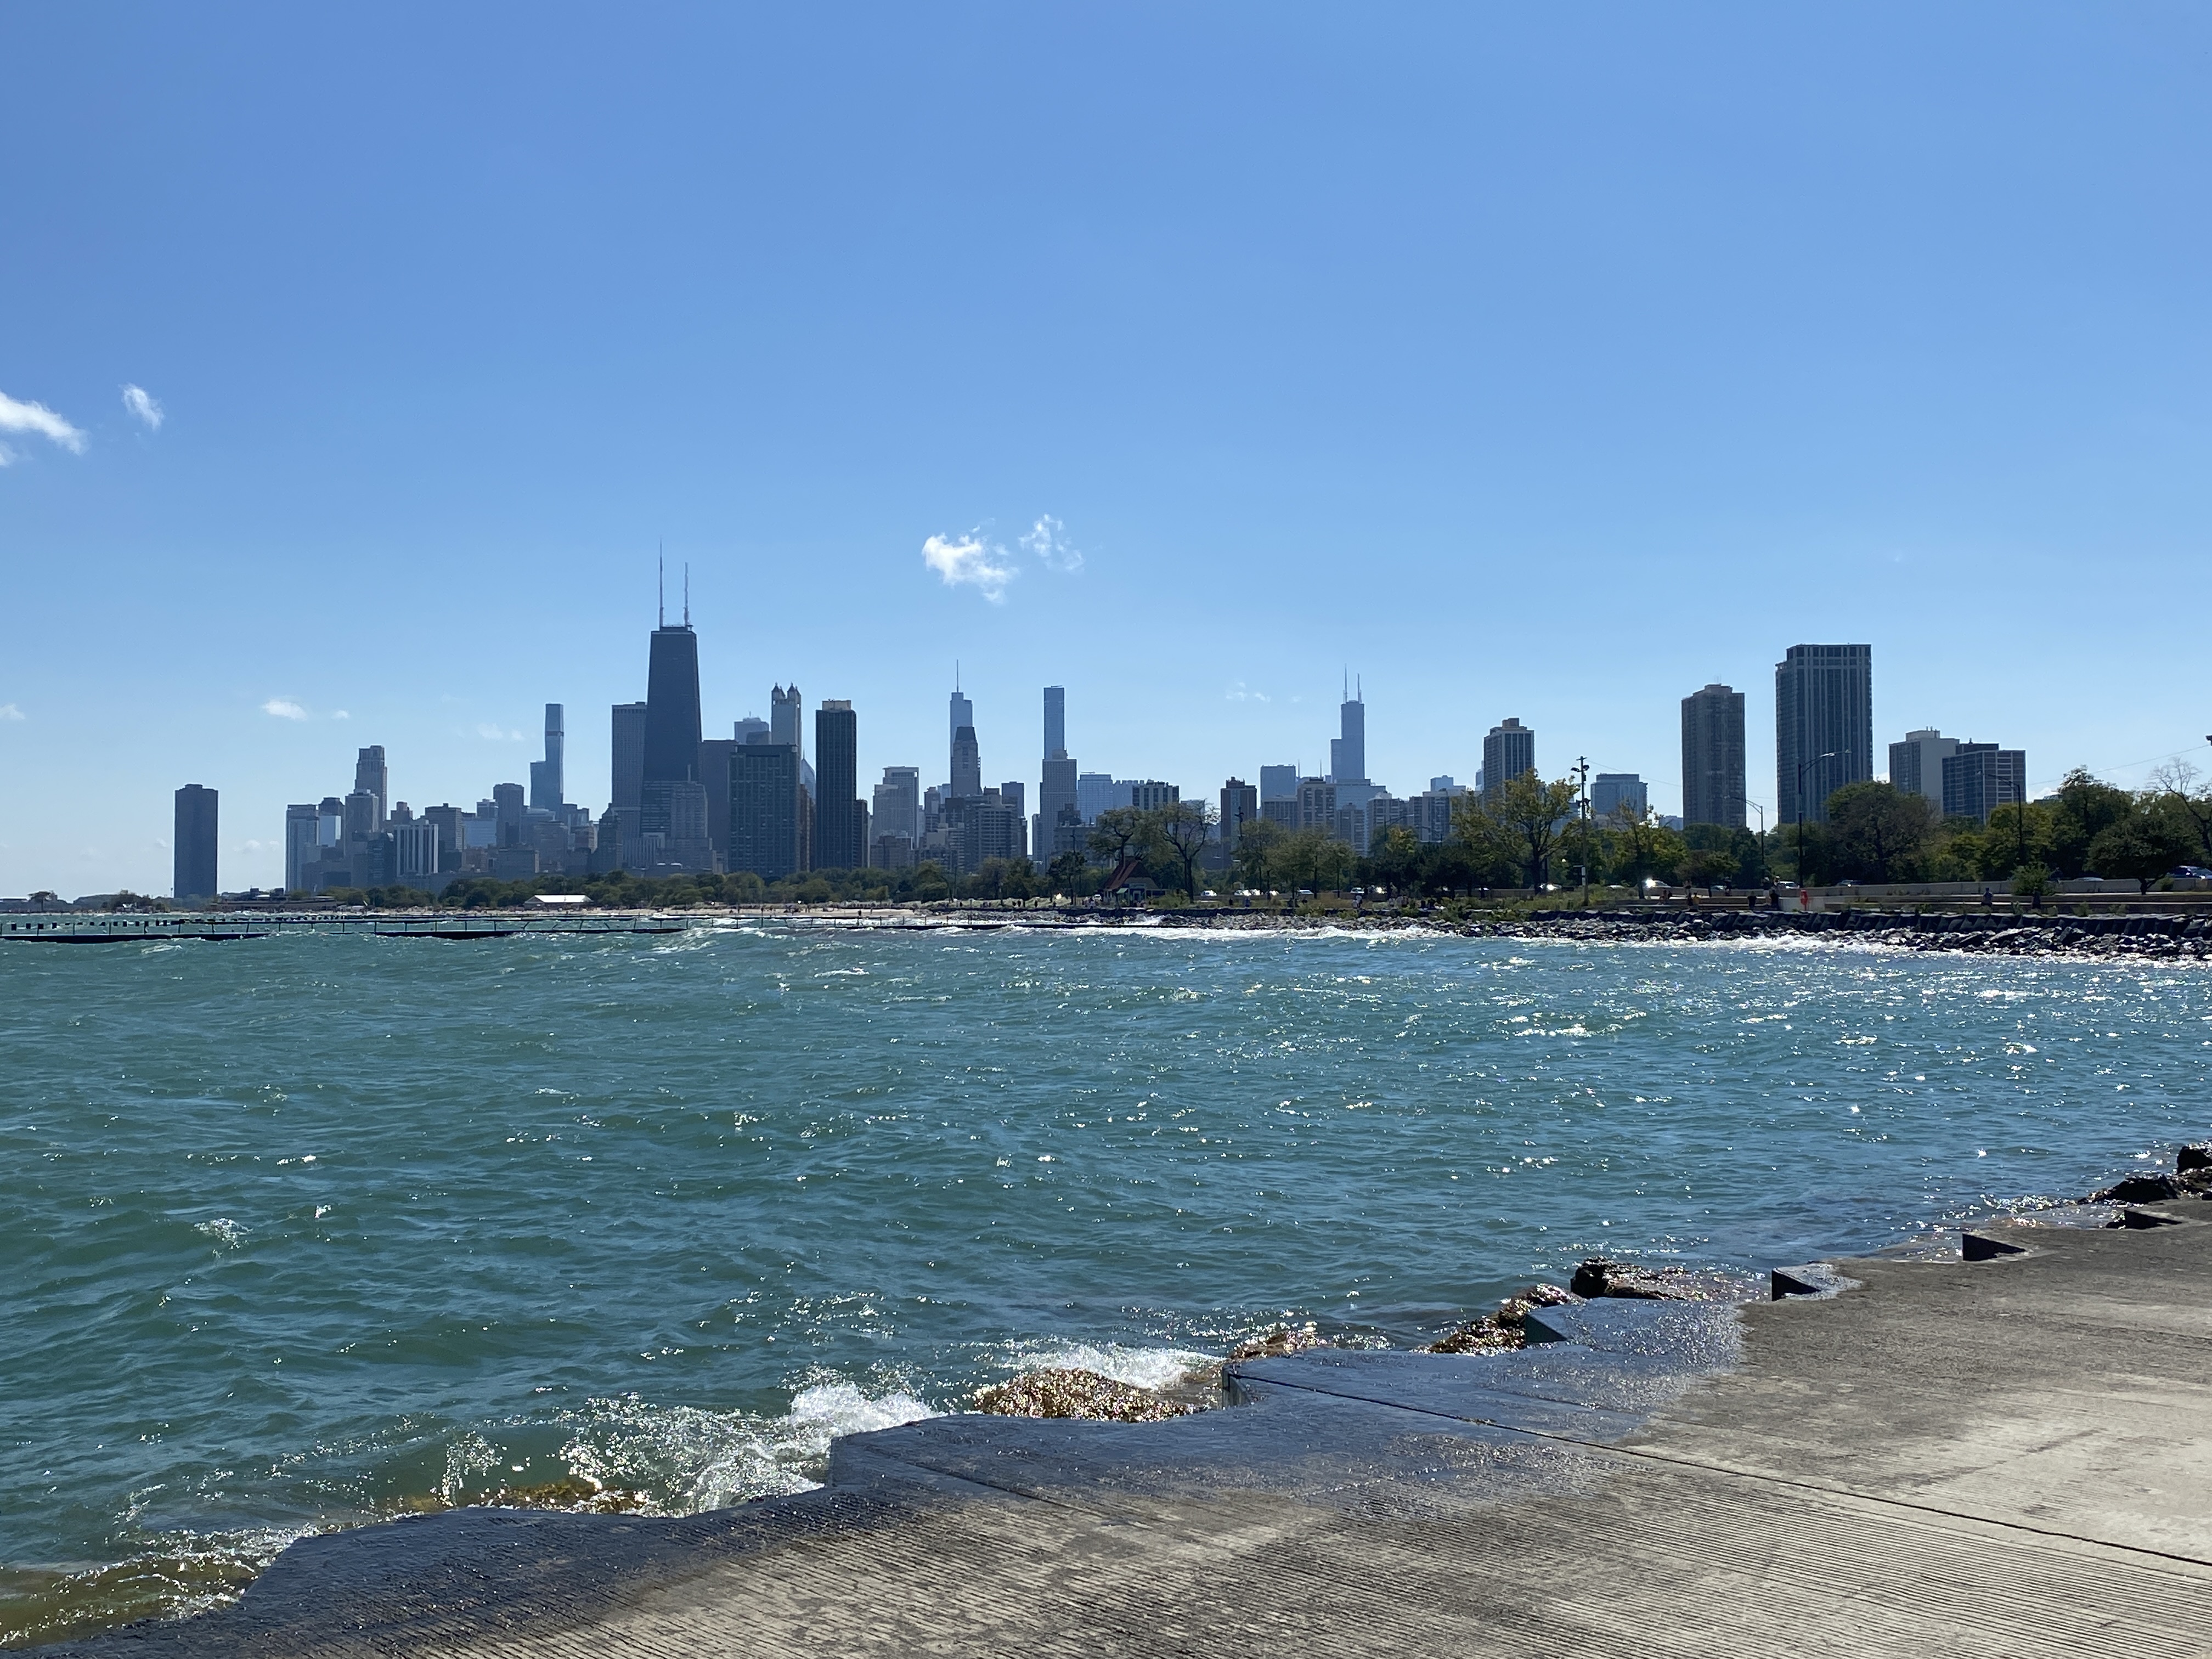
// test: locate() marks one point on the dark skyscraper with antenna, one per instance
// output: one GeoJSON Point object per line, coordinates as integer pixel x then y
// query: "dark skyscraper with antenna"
{"type": "Point", "coordinates": [671, 700]}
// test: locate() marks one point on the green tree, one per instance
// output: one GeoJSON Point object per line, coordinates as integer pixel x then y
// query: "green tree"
{"type": "Point", "coordinates": [1394, 858]}
{"type": "Point", "coordinates": [1177, 832]}
{"type": "Point", "coordinates": [2016, 838]}
{"type": "Point", "coordinates": [1641, 847]}
{"type": "Point", "coordinates": [1311, 858]}
{"type": "Point", "coordinates": [1532, 814]}
{"type": "Point", "coordinates": [2084, 810]}
{"type": "Point", "coordinates": [1880, 833]}
{"type": "Point", "coordinates": [1067, 872]}
{"type": "Point", "coordinates": [1116, 830]}
{"type": "Point", "coordinates": [2188, 807]}
{"type": "Point", "coordinates": [1256, 856]}
{"type": "Point", "coordinates": [2139, 848]}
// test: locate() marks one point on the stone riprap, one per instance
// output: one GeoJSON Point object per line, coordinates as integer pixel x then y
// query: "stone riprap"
{"type": "Point", "coordinates": [2002, 932]}
{"type": "Point", "coordinates": [1998, 1456]}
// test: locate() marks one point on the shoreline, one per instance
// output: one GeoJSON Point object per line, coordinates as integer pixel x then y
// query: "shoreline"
{"type": "Point", "coordinates": [1887, 1456]}
{"type": "Point", "coordinates": [2171, 935]}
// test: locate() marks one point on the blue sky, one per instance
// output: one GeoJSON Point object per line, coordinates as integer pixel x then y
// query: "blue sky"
{"type": "Point", "coordinates": [1548, 362]}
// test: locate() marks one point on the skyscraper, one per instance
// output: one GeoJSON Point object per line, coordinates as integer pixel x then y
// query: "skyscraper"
{"type": "Point", "coordinates": [1240, 805]}
{"type": "Point", "coordinates": [1347, 754]}
{"type": "Point", "coordinates": [1056, 789]}
{"type": "Point", "coordinates": [1916, 765]}
{"type": "Point", "coordinates": [1980, 777]}
{"type": "Point", "coordinates": [194, 845]}
{"type": "Point", "coordinates": [1055, 720]}
{"type": "Point", "coordinates": [370, 777]}
{"type": "Point", "coordinates": [1278, 783]}
{"type": "Point", "coordinates": [967, 765]}
{"type": "Point", "coordinates": [839, 817]}
{"type": "Point", "coordinates": [898, 803]}
{"type": "Point", "coordinates": [1823, 726]}
{"type": "Point", "coordinates": [764, 802]}
{"type": "Point", "coordinates": [963, 711]}
{"type": "Point", "coordinates": [1611, 791]}
{"type": "Point", "coordinates": [1713, 787]}
{"type": "Point", "coordinates": [1508, 752]}
{"type": "Point", "coordinates": [628, 756]}
{"type": "Point", "coordinates": [784, 713]}
{"type": "Point", "coordinates": [547, 782]}
{"type": "Point", "coordinates": [672, 706]}
{"type": "Point", "coordinates": [302, 844]}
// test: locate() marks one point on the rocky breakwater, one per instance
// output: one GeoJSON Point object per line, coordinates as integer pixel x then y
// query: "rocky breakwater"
{"type": "Point", "coordinates": [2005, 933]}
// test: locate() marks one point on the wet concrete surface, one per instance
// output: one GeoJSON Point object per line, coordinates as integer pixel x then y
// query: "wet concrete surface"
{"type": "Point", "coordinates": [2003, 1457]}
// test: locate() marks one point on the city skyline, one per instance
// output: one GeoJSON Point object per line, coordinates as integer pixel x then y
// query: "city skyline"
{"type": "Point", "coordinates": [674, 657]}
{"type": "Point", "coordinates": [328, 432]}
{"type": "Point", "coordinates": [754, 802]}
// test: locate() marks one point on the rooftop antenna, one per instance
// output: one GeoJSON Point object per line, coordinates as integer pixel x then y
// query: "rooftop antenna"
{"type": "Point", "coordinates": [664, 584]}
{"type": "Point", "coordinates": [687, 592]}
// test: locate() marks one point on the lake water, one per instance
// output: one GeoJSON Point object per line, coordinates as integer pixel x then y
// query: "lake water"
{"type": "Point", "coordinates": [304, 1231]}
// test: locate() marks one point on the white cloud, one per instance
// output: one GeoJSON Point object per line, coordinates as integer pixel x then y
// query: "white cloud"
{"type": "Point", "coordinates": [1048, 539]}
{"type": "Point", "coordinates": [9, 712]}
{"type": "Point", "coordinates": [1238, 692]}
{"type": "Point", "coordinates": [284, 710]}
{"type": "Point", "coordinates": [142, 406]}
{"type": "Point", "coordinates": [492, 732]}
{"type": "Point", "coordinates": [970, 561]}
{"type": "Point", "coordinates": [340, 714]}
{"type": "Point", "coordinates": [40, 421]}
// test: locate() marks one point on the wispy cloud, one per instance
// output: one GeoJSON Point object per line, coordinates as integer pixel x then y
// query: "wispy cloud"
{"type": "Point", "coordinates": [284, 710]}
{"type": "Point", "coordinates": [38, 421]}
{"type": "Point", "coordinates": [340, 714]}
{"type": "Point", "coordinates": [1048, 539]}
{"type": "Point", "coordinates": [970, 561]}
{"type": "Point", "coordinates": [9, 712]}
{"type": "Point", "coordinates": [1239, 692]}
{"type": "Point", "coordinates": [141, 405]}
{"type": "Point", "coordinates": [976, 561]}
{"type": "Point", "coordinates": [492, 732]}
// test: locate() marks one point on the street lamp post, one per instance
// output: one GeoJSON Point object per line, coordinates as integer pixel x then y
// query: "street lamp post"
{"type": "Point", "coordinates": [1582, 770]}
{"type": "Point", "coordinates": [1801, 766]}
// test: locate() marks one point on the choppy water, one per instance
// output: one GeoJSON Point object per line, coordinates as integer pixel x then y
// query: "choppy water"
{"type": "Point", "coordinates": [308, 1230]}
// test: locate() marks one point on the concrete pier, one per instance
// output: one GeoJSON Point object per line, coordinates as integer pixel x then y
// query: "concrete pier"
{"type": "Point", "coordinates": [2004, 1457]}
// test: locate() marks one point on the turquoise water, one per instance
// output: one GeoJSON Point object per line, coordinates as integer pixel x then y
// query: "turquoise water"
{"type": "Point", "coordinates": [307, 1230]}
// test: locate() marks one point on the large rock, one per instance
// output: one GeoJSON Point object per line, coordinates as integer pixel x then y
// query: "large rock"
{"type": "Point", "coordinates": [1599, 1277]}
{"type": "Point", "coordinates": [1070, 1393]}
{"type": "Point", "coordinates": [1495, 1333]}
{"type": "Point", "coordinates": [2198, 1157]}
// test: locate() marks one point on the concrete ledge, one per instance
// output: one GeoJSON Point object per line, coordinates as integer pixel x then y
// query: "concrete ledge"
{"type": "Point", "coordinates": [1996, 1459]}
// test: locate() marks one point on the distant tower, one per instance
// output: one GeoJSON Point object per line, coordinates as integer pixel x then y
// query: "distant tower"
{"type": "Point", "coordinates": [1823, 707]}
{"type": "Point", "coordinates": [1712, 757]}
{"type": "Point", "coordinates": [1508, 752]}
{"type": "Point", "coordinates": [194, 843]}
{"type": "Point", "coordinates": [785, 713]}
{"type": "Point", "coordinates": [963, 712]}
{"type": "Point", "coordinates": [628, 756]}
{"type": "Point", "coordinates": [967, 765]}
{"type": "Point", "coordinates": [672, 735]}
{"type": "Point", "coordinates": [1056, 789]}
{"type": "Point", "coordinates": [1916, 765]}
{"type": "Point", "coordinates": [839, 817]}
{"type": "Point", "coordinates": [672, 706]}
{"type": "Point", "coordinates": [370, 777]}
{"type": "Point", "coordinates": [302, 843]}
{"type": "Point", "coordinates": [546, 782]}
{"type": "Point", "coordinates": [1348, 755]}
{"type": "Point", "coordinates": [1055, 720]}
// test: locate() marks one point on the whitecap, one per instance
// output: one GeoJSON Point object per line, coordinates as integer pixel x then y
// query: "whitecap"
{"type": "Point", "coordinates": [1144, 1368]}
{"type": "Point", "coordinates": [227, 1234]}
